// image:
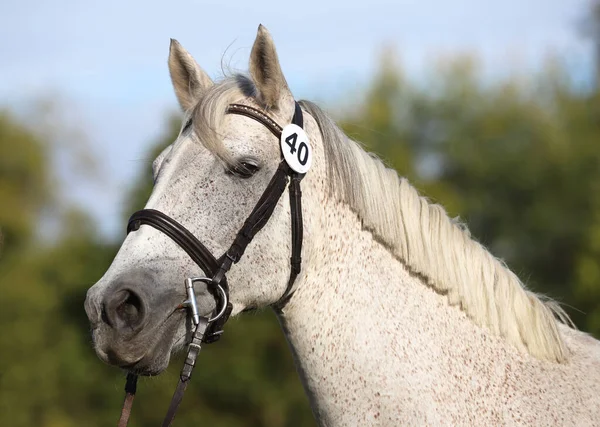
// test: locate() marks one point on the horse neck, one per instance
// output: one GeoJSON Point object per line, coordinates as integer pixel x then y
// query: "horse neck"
{"type": "Point", "coordinates": [344, 320]}
{"type": "Point", "coordinates": [369, 338]}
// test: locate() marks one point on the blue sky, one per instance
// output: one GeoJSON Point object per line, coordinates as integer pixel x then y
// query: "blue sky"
{"type": "Point", "coordinates": [105, 62]}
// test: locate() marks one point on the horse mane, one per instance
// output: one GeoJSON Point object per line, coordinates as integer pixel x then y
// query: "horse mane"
{"type": "Point", "coordinates": [438, 248]}
{"type": "Point", "coordinates": [418, 233]}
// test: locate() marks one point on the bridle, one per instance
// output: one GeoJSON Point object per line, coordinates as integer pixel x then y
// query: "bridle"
{"type": "Point", "coordinates": [209, 330]}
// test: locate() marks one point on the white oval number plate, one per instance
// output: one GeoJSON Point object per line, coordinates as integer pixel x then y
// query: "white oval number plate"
{"type": "Point", "coordinates": [296, 148]}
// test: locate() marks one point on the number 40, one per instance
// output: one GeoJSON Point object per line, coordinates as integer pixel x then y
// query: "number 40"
{"type": "Point", "coordinates": [302, 151]}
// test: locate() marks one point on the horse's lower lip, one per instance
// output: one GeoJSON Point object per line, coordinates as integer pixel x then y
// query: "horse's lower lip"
{"type": "Point", "coordinates": [131, 366]}
{"type": "Point", "coordinates": [139, 368]}
{"type": "Point", "coordinates": [121, 361]}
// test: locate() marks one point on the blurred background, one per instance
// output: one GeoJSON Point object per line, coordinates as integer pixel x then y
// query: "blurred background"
{"type": "Point", "coordinates": [490, 108]}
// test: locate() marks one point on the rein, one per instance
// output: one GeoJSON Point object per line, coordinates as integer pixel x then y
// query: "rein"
{"type": "Point", "coordinates": [209, 330]}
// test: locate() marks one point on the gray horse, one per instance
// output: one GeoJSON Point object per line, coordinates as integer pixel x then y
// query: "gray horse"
{"type": "Point", "coordinates": [398, 316]}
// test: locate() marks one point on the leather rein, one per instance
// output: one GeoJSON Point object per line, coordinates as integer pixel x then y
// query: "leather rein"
{"type": "Point", "coordinates": [209, 330]}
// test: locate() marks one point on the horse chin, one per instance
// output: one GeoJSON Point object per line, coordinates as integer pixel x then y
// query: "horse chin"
{"type": "Point", "coordinates": [156, 360]}
{"type": "Point", "coordinates": [154, 366]}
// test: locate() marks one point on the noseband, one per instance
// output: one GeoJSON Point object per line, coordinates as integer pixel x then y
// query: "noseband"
{"type": "Point", "coordinates": [209, 330]}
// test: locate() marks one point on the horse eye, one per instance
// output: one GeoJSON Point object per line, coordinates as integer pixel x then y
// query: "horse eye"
{"type": "Point", "coordinates": [245, 168]}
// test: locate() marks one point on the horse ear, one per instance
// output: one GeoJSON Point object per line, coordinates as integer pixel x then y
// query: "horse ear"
{"type": "Point", "coordinates": [189, 80]}
{"type": "Point", "coordinates": [266, 72]}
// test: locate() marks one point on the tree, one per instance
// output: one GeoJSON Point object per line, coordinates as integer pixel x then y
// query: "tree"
{"type": "Point", "coordinates": [24, 178]}
{"type": "Point", "coordinates": [44, 346]}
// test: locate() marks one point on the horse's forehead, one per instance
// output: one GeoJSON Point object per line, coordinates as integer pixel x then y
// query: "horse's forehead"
{"type": "Point", "coordinates": [241, 136]}
{"type": "Point", "coordinates": [246, 136]}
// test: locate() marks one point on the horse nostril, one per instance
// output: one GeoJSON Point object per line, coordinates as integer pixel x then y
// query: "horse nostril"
{"type": "Point", "coordinates": [124, 310]}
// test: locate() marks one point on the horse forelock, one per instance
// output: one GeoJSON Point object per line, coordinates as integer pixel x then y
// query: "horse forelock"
{"type": "Point", "coordinates": [209, 113]}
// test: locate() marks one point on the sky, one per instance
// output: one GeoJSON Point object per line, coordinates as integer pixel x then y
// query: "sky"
{"type": "Point", "coordinates": [104, 63]}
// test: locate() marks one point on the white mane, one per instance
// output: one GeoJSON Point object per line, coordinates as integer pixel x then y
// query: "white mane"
{"type": "Point", "coordinates": [439, 249]}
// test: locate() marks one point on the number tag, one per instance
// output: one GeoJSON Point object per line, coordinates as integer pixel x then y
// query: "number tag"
{"type": "Point", "coordinates": [296, 148]}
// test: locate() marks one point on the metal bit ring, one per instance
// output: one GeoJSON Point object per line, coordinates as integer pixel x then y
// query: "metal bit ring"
{"type": "Point", "coordinates": [189, 286]}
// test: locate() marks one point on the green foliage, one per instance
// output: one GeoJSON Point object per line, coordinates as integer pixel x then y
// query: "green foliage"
{"type": "Point", "coordinates": [48, 373]}
{"type": "Point", "coordinates": [23, 180]}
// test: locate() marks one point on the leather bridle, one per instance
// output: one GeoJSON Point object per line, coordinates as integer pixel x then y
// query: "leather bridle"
{"type": "Point", "coordinates": [209, 330]}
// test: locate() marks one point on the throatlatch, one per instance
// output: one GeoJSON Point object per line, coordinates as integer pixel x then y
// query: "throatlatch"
{"type": "Point", "coordinates": [293, 165]}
